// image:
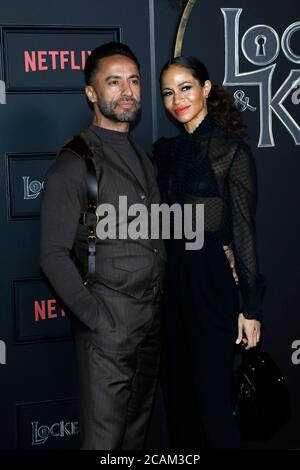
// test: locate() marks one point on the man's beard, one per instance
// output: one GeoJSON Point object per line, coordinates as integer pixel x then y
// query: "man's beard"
{"type": "Point", "coordinates": [108, 109]}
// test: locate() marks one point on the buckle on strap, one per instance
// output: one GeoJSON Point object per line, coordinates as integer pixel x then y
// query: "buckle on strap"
{"type": "Point", "coordinates": [91, 239]}
{"type": "Point", "coordinates": [88, 218]}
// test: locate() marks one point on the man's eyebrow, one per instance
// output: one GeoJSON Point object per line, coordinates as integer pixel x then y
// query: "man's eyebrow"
{"type": "Point", "coordinates": [113, 77]}
{"type": "Point", "coordinates": [110, 77]}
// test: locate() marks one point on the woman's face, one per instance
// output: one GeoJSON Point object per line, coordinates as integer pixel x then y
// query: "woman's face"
{"type": "Point", "coordinates": [183, 96]}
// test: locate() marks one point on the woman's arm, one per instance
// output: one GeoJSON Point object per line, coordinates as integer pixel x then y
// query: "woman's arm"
{"type": "Point", "coordinates": [242, 183]}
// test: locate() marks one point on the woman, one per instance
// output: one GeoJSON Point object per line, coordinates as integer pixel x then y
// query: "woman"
{"type": "Point", "coordinates": [207, 163]}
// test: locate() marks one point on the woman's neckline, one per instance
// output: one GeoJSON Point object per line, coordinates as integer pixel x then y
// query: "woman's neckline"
{"type": "Point", "coordinates": [203, 127]}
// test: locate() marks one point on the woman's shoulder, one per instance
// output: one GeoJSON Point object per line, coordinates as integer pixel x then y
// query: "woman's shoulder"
{"type": "Point", "coordinates": [163, 144]}
{"type": "Point", "coordinates": [230, 140]}
{"type": "Point", "coordinates": [163, 150]}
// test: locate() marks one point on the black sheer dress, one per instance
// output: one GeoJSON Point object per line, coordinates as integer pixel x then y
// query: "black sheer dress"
{"type": "Point", "coordinates": [201, 303]}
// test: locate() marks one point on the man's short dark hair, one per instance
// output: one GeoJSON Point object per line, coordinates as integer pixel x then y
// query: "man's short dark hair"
{"type": "Point", "coordinates": [106, 50]}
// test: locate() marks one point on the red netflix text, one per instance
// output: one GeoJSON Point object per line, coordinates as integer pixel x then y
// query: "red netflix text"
{"type": "Point", "coordinates": [39, 61]}
{"type": "Point", "coordinates": [47, 309]}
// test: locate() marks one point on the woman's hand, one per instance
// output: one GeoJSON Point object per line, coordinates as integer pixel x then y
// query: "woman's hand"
{"type": "Point", "coordinates": [248, 331]}
{"type": "Point", "coordinates": [230, 257]}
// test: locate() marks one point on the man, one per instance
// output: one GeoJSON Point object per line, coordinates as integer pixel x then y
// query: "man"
{"type": "Point", "coordinates": [113, 296]}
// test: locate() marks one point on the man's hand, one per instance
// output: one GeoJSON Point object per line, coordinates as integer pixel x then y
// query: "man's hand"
{"type": "Point", "coordinates": [248, 331]}
{"type": "Point", "coordinates": [230, 256]}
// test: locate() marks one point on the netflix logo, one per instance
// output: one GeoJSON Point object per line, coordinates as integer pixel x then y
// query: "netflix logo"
{"type": "Point", "coordinates": [47, 310]}
{"type": "Point", "coordinates": [38, 61]}
{"type": "Point", "coordinates": [49, 59]}
{"type": "Point", "coordinates": [38, 315]}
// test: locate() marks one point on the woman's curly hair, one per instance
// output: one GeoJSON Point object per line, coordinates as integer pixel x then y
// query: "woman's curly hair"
{"type": "Point", "coordinates": [220, 103]}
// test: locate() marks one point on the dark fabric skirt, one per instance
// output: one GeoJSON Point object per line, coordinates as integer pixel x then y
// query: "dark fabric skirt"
{"type": "Point", "coordinates": [199, 327]}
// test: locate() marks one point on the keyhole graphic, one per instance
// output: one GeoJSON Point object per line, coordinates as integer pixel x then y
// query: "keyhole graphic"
{"type": "Point", "coordinates": [260, 42]}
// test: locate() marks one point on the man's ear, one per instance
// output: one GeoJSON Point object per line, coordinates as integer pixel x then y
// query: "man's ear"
{"type": "Point", "coordinates": [90, 93]}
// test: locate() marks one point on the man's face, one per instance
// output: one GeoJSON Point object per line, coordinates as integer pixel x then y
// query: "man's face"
{"type": "Point", "coordinates": [116, 90]}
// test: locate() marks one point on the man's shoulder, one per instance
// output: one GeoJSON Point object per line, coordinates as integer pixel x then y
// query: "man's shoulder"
{"type": "Point", "coordinates": [141, 150]}
{"type": "Point", "coordinates": [66, 160]}
{"type": "Point", "coordinates": [67, 166]}
{"type": "Point", "coordinates": [137, 145]}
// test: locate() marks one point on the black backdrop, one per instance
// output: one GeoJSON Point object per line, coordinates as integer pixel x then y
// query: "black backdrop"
{"type": "Point", "coordinates": [255, 51]}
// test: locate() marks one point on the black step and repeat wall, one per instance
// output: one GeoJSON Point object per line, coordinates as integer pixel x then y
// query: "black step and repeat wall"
{"type": "Point", "coordinates": [253, 49]}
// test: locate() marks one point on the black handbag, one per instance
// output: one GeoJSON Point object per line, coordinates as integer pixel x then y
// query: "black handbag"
{"type": "Point", "coordinates": [260, 396]}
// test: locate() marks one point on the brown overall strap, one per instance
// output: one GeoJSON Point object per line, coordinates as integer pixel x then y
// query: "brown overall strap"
{"type": "Point", "coordinates": [89, 218]}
